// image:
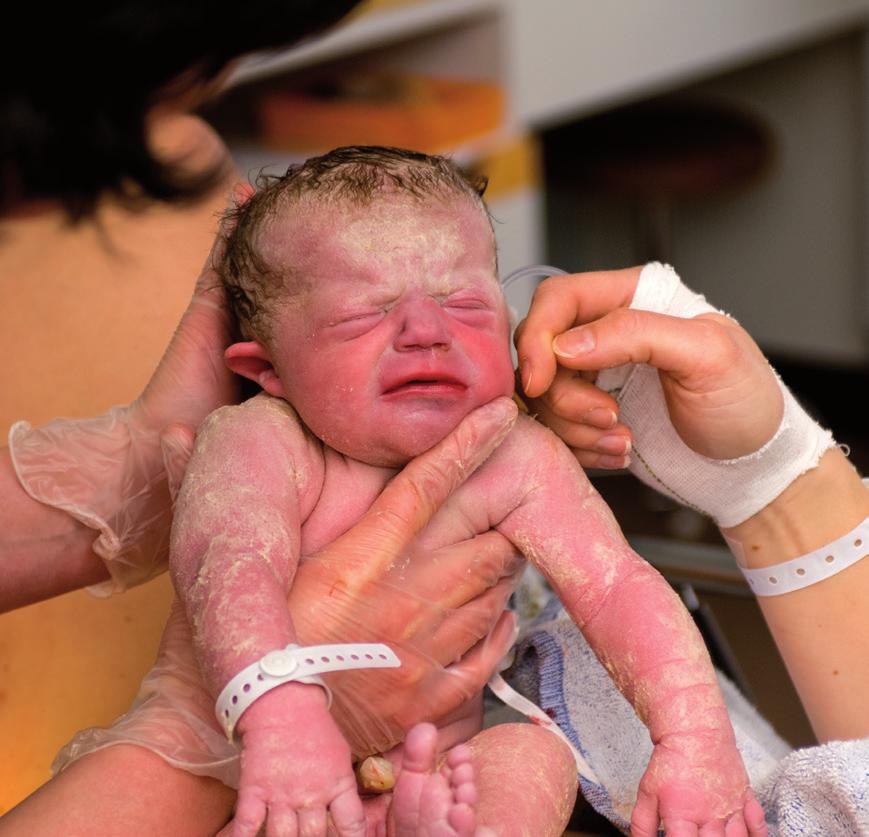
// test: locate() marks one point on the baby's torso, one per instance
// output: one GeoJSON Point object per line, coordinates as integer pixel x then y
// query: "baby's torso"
{"type": "Point", "coordinates": [530, 489]}
{"type": "Point", "coordinates": [345, 489]}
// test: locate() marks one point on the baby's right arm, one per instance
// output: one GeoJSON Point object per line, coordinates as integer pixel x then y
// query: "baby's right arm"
{"type": "Point", "coordinates": [252, 479]}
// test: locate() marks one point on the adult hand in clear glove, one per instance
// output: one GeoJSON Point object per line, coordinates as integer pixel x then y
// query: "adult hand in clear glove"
{"type": "Point", "coordinates": [448, 625]}
{"type": "Point", "coordinates": [436, 609]}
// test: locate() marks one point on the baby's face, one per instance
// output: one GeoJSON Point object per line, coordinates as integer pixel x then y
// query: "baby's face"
{"type": "Point", "coordinates": [400, 328]}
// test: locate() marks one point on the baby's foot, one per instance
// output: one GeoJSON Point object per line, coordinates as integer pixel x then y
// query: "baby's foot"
{"type": "Point", "coordinates": [428, 802]}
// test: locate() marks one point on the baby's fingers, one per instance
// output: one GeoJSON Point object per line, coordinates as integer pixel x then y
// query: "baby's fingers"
{"type": "Point", "coordinates": [755, 820]}
{"type": "Point", "coordinates": [311, 823]}
{"type": "Point", "coordinates": [283, 822]}
{"type": "Point", "coordinates": [348, 816]}
{"type": "Point", "coordinates": [644, 819]}
{"type": "Point", "coordinates": [250, 811]}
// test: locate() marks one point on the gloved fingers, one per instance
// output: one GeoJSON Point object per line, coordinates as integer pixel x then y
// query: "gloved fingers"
{"type": "Point", "coordinates": [176, 443]}
{"type": "Point", "coordinates": [176, 640]}
{"type": "Point", "coordinates": [458, 574]}
{"type": "Point", "coordinates": [558, 304]}
{"type": "Point", "coordinates": [192, 378]}
{"type": "Point", "coordinates": [414, 495]}
{"type": "Point", "coordinates": [455, 684]}
{"type": "Point", "coordinates": [209, 282]}
{"type": "Point", "coordinates": [463, 628]}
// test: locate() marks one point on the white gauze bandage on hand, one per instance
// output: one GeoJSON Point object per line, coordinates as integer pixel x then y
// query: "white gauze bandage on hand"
{"type": "Point", "coordinates": [727, 490]}
{"type": "Point", "coordinates": [108, 474]}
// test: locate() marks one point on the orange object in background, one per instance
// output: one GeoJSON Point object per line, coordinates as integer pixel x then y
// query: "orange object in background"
{"type": "Point", "coordinates": [429, 114]}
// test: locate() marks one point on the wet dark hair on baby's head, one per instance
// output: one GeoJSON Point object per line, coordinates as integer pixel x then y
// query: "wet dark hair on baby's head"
{"type": "Point", "coordinates": [353, 175]}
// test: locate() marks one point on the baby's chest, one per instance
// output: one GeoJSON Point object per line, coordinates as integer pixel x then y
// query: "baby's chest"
{"type": "Point", "coordinates": [350, 488]}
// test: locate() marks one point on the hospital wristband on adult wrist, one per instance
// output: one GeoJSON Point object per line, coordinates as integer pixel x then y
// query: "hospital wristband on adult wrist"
{"type": "Point", "coordinates": [295, 664]}
{"type": "Point", "coordinates": [812, 567]}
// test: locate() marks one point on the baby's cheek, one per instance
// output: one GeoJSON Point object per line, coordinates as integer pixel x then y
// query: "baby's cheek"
{"type": "Point", "coordinates": [496, 366]}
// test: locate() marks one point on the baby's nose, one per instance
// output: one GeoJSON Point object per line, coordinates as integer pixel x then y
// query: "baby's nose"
{"type": "Point", "coordinates": [423, 325]}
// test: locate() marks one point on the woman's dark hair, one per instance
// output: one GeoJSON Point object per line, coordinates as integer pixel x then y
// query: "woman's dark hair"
{"type": "Point", "coordinates": [78, 80]}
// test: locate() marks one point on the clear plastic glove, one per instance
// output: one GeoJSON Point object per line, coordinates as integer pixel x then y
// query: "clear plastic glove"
{"type": "Point", "coordinates": [108, 472]}
{"type": "Point", "coordinates": [440, 621]}
{"type": "Point", "coordinates": [296, 771]}
{"type": "Point", "coordinates": [423, 608]}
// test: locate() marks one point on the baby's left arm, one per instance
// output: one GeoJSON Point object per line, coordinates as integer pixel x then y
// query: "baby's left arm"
{"type": "Point", "coordinates": [645, 638]}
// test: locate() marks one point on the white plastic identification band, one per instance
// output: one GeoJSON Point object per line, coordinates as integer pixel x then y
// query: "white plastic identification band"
{"type": "Point", "coordinates": [812, 567]}
{"type": "Point", "coordinates": [299, 664]}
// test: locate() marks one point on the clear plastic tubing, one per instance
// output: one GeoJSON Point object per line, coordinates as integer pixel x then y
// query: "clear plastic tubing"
{"type": "Point", "coordinates": [541, 270]}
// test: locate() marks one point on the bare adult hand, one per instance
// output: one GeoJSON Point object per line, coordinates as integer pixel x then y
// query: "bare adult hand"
{"type": "Point", "coordinates": [722, 396]}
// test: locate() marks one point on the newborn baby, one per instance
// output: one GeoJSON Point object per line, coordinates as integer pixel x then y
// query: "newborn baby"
{"type": "Point", "coordinates": [366, 285]}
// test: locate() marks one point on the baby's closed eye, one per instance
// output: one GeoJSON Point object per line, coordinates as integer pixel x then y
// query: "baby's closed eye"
{"type": "Point", "coordinates": [356, 323]}
{"type": "Point", "coordinates": [470, 308]}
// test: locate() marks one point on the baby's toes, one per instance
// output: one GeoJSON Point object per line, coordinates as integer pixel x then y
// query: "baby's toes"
{"type": "Point", "coordinates": [462, 819]}
{"type": "Point", "coordinates": [463, 784]}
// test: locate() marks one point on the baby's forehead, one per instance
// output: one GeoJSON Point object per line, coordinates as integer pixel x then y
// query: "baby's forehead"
{"type": "Point", "coordinates": [392, 228]}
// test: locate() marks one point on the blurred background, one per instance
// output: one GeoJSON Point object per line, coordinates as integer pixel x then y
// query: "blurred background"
{"type": "Point", "coordinates": [729, 139]}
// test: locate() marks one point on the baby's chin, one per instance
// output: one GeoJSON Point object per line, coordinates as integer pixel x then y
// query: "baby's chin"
{"type": "Point", "coordinates": [396, 448]}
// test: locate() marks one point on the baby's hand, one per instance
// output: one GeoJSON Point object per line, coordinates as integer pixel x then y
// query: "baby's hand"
{"type": "Point", "coordinates": [696, 784]}
{"type": "Point", "coordinates": [296, 771]}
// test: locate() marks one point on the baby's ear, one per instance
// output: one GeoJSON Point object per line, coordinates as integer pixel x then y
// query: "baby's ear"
{"type": "Point", "coordinates": [252, 360]}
